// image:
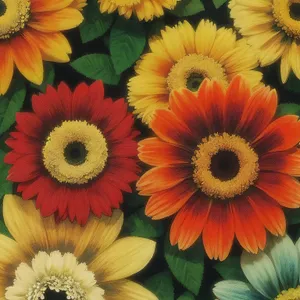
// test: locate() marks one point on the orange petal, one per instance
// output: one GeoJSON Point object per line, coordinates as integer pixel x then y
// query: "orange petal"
{"type": "Point", "coordinates": [211, 98]}
{"type": "Point", "coordinates": [268, 211]}
{"type": "Point", "coordinates": [280, 135]}
{"type": "Point", "coordinates": [172, 130]}
{"type": "Point", "coordinates": [287, 162]}
{"type": "Point", "coordinates": [46, 5]}
{"type": "Point", "coordinates": [189, 222]}
{"type": "Point", "coordinates": [162, 178]}
{"type": "Point", "coordinates": [258, 113]}
{"type": "Point", "coordinates": [249, 230]}
{"type": "Point", "coordinates": [155, 152]}
{"type": "Point", "coordinates": [6, 67]}
{"type": "Point", "coordinates": [184, 104]}
{"type": "Point", "coordinates": [167, 203]}
{"type": "Point", "coordinates": [27, 57]}
{"type": "Point", "coordinates": [53, 46]}
{"type": "Point", "coordinates": [64, 19]}
{"type": "Point", "coordinates": [237, 96]}
{"type": "Point", "coordinates": [283, 188]}
{"type": "Point", "coordinates": [218, 233]}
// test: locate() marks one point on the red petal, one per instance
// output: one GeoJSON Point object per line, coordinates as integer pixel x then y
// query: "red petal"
{"type": "Point", "coordinates": [124, 148]}
{"type": "Point", "coordinates": [33, 188]}
{"type": "Point", "coordinates": [30, 124]}
{"type": "Point", "coordinates": [82, 106]}
{"type": "Point", "coordinates": [123, 129]}
{"type": "Point", "coordinates": [280, 135]}
{"type": "Point", "coordinates": [66, 97]}
{"type": "Point", "coordinates": [23, 144]}
{"type": "Point", "coordinates": [268, 211]}
{"type": "Point", "coordinates": [162, 178]}
{"type": "Point", "coordinates": [189, 222]}
{"type": "Point", "coordinates": [167, 203]}
{"type": "Point", "coordinates": [218, 233]}
{"type": "Point", "coordinates": [282, 188]}
{"type": "Point", "coordinates": [11, 157]}
{"type": "Point", "coordinates": [249, 230]}
{"type": "Point", "coordinates": [96, 92]}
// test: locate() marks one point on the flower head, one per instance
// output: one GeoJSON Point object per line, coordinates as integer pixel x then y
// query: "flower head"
{"type": "Point", "coordinates": [206, 52]}
{"type": "Point", "coordinates": [45, 261]}
{"type": "Point", "coordinates": [223, 165]}
{"type": "Point", "coordinates": [272, 274]}
{"type": "Point", "coordinates": [75, 153]}
{"type": "Point", "coordinates": [272, 28]}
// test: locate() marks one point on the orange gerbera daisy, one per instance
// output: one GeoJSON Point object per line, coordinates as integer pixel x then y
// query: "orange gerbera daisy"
{"type": "Point", "coordinates": [30, 33]}
{"type": "Point", "coordinates": [223, 165]}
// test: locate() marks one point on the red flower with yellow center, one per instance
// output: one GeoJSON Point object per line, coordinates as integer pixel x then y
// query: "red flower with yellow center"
{"type": "Point", "coordinates": [75, 153]}
{"type": "Point", "coordinates": [223, 165]}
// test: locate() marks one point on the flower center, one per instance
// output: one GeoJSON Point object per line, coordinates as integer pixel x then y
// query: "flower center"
{"type": "Point", "coordinates": [190, 71]}
{"type": "Point", "coordinates": [290, 294]}
{"type": "Point", "coordinates": [54, 276]}
{"type": "Point", "coordinates": [287, 16]}
{"type": "Point", "coordinates": [75, 152]}
{"type": "Point", "coordinates": [14, 15]}
{"type": "Point", "coordinates": [224, 166]}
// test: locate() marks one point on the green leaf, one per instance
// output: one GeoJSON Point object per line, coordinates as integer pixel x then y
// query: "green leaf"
{"type": "Point", "coordinates": [161, 285]}
{"type": "Point", "coordinates": [49, 75]}
{"type": "Point", "coordinates": [135, 200]}
{"type": "Point", "coordinates": [230, 269]}
{"type": "Point", "coordinates": [186, 8]}
{"type": "Point", "coordinates": [293, 84]}
{"type": "Point", "coordinates": [95, 23]}
{"type": "Point", "coordinates": [126, 44]}
{"type": "Point", "coordinates": [155, 27]}
{"type": "Point", "coordinates": [97, 66]}
{"type": "Point", "coordinates": [6, 186]}
{"type": "Point", "coordinates": [288, 109]}
{"type": "Point", "coordinates": [138, 224]}
{"type": "Point", "coordinates": [219, 3]}
{"type": "Point", "coordinates": [4, 230]}
{"type": "Point", "coordinates": [187, 266]}
{"type": "Point", "coordinates": [186, 296]}
{"type": "Point", "coordinates": [293, 216]}
{"type": "Point", "coordinates": [11, 103]}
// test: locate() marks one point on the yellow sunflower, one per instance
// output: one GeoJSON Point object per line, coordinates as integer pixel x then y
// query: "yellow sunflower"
{"type": "Point", "coordinates": [143, 9]}
{"type": "Point", "coordinates": [66, 261]}
{"type": "Point", "coordinates": [30, 32]}
{"type": "Point", "coordinates": [181, 58]}
{"type": "Point", "coordinates": [273, 28]}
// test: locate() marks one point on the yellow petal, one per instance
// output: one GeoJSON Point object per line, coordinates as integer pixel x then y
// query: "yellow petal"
{"type": "Point", "coordinates": [6, 68]}
{"type": "Point", "coordinates": [79, 4]}
{"type": "Point", "coordinates": [205, 37]}
{"type": "Point", "coordinates": [63, 19]}
{"type": "Point", "coordinates": [126, 289]}
{"type": "Point", "coordinates": [187, 35]}
{"type": "Point", "coordinates": [122, 259]}
{"type": "Point", "coordinates": [295, 59]}
{"type": "Point", "coordinates": [46, 5]}
{"type": "Point", "coordinates": [285, 67]}
{"type": "Point", "coordinates": [157, 46]}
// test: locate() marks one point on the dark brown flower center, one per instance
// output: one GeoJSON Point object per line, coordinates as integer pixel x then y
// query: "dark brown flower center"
{"type": "Point", "coordinates": [53, 295]}
{"type": "Point", "coordinates": [3, 8]}
{"type": "Point", "coordinates": [75, 153]}
{"type": "Point", "coordinates": [225, 165]}
{"type": "Point", "coordinates": [295, 11]}
{"type": "Point", "coordinates": [194, 81]}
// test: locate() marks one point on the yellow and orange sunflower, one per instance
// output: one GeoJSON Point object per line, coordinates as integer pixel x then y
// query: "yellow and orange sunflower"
{"type": "Point", "coordinates": [183, 57]}
{"type": "Point", "coordinates": [223, 165]}
{"type": "Point", "coordinates": [272, 27]}
{"type": "Point", "coordinates": [30, 32]}
{"type": "Point", "coordinates": [143, 9]}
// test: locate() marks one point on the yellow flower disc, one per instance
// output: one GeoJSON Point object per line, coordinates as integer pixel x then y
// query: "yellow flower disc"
{"type": "Point", "coordinates": [290, 294]}
{"type": "Point", "coordinates": [14, 14]}
{"type": "Point", "coordinates": [75, 152]}
{"type": "Point", "coordinates": [225, 166]}
{"type": "Point", "coordinates": [190, 71]}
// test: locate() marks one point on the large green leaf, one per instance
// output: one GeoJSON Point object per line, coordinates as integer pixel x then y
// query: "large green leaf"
{"type": "Point", "coordinates": [95, 23]}
{"type": "Point", "coordinates": [11, 103]}
{"type": "Point", "coordinates": [126, 44]}
{"type": "Point", "coordinates": [186, 8]}
{"type": "Point", "coordinates": [187, 266]}
{"type": "Point", "coordinates": [288, 109]}
{"type": "Point", "coordinates": [97, 66]}
{"type": "Point", "coordinates": [138, 224]}
{"type": "Point", "coordinates": [186, 296]}
{"type": "Point", "coordinates": [161, 285]}
{"type": "Point", "coordinates": [49, 75]}
{"type": "Point", "coordinates": [5, 185]}
{"type": "Point", "coordinates": [219, 3]}
{"type": "Point", "coordinates": [230, 269]}
{"type": "Point", "coordinates": [4, 230]}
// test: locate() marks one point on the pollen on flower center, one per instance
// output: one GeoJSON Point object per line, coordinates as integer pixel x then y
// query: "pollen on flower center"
{"type": "Point", "coordinates": [54, 274]}
{"type": "Point", "coordinates": [75, 152]}
{"type": "Point", "coordinates": [14, 15]}
{"type": "Point", "coordinates": [290, 294]}
{"type": "Point", "coordinates": [225, 166]}
{"type": "Point", "coordinates": [287, 16]}
{"type": "Point", "coordinates": [190, 71]}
